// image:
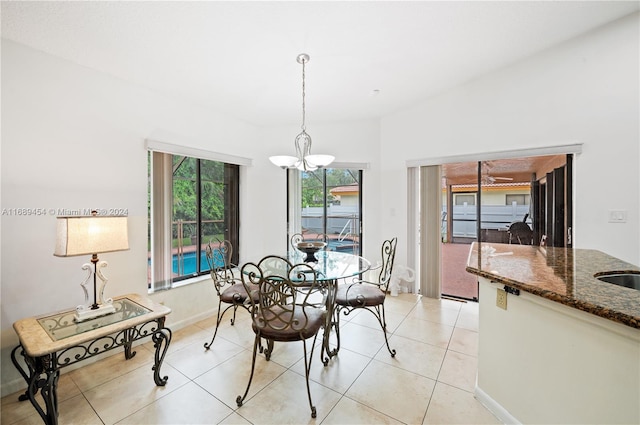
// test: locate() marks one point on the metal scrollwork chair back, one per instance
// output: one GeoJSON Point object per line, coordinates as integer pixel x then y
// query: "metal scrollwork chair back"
{"type": "Point", "coordinates": [296, 238]}
{"type": "Point", "coordinates": [362, 294]}
{"type": "Point", "coordinates": [229, 289]}
{"type": "Point", "coordinates": [289, 307]}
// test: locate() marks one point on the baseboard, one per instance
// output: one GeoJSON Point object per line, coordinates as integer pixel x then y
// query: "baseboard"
{"type": "Point", "coordinates": [13, 386]}
{"type": "Point", "coordinates": [498, 411]}
{"type": "Point", "coordinates": [174, 326]}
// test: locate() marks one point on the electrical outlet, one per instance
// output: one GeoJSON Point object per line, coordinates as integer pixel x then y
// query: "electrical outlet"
{"type": "Point", "coordinates": [501, 298]}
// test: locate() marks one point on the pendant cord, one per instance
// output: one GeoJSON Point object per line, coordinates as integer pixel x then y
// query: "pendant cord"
{"type": "Point", "coordinates": [303, 140]}
{"type": "Point", "coordinates": [303, 104]}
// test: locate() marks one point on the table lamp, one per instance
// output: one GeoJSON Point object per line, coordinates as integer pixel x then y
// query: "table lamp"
{"type": "Point", "coordinates": [83, 235]}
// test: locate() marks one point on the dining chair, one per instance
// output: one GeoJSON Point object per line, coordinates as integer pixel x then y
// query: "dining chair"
{"type": "Point", "coordinates": [296, 238]}
{"type": "Point", "coordinates": [520, 233]}
{"type": "Point", "coordinates": [287, 309]}
{"type": "Point", "coordinates": [230, 290]}
{"type": "Point", "coordinates": [370, 296]}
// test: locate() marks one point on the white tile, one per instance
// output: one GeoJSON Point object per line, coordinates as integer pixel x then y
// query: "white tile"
{"type": "Point", "coordinates": [234, 419]}
{"type": "Point", "coordinates": [287, 354]}
{"type": "Point", "coordinates": [348, 411]}
{"type": "Point", "coordinates": [366, 318]}
{"type": "Point", "coordinates": [229, 379]}
{"type": "Point", "coordinates": [459, 370]}
{"type": "Point", "coordinates": [240, 332]}
{"type": "Point", "coordinates": [393, 391]}
{"type": "Point", "coordinates": [464, 341]}
{"type": "Point", "coordinates": [285, 401]}
{"type": "Point", "coordinates": [402, 304]}
{"type": "Point", "coordinates": [434, 339]}
{"type": "Point", "coordinates": [450, 405]}
{"type": "Point", "coordinates": [414, 356]}
{"type": "Point", "coordinates": [77, 410]}
{"type": "Point", "coordinates": [361, 339]}
{"type": "Point", "coordinates": [468, 320]}
{"type": "Point", "coordinates": [435, 313]}
{"type": "Point", "coordinates": [341, 371]}
{"type": "Point", "coordinates": [128, 393]}
{"type": "Point", "coordinates": [425, 331]}
{"type": "Point", "coordinates": [182, 338]}
{"type": "Point", "coordinates": [72, 406]}
{"type": "Point", "coordinates": [441, 302]}
{"type": "Point", "coordinates": [102, 371]}
{"type": "Point", "coordinates": [189, 404]}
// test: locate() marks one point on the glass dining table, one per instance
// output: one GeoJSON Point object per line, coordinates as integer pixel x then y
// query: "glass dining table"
{"type": "Point", "coordinates": [330, 266]}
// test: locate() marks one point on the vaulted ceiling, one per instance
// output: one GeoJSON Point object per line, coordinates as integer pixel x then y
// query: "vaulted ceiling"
{"type": "Point", "coordinates": [368, 58]}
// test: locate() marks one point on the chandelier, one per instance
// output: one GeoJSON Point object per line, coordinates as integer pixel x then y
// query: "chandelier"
{"type": "Point", "coordinates": [303, 160]}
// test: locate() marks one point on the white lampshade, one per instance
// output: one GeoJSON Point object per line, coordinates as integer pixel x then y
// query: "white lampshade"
{"type": "Point", "coordinates": [283, 161]}
{"type": "Point", "coordinates": [320, 160]}
{"type": "Point", "coordinates": [90, 235]}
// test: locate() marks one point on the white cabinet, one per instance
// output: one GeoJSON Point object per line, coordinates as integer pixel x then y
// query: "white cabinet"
{"type": "Point", "coordinates": [543, 362]}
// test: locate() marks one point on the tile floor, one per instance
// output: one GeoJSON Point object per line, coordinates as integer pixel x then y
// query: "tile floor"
{"type": "Point", "coordinates": [430, 381]}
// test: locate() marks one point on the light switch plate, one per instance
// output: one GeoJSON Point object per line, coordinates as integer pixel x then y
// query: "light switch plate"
{"type": "Point", "coordinates": [617, 216]}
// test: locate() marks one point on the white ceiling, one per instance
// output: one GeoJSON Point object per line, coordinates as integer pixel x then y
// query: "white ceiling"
{"type": "Point", "coordinates": [240, 57]}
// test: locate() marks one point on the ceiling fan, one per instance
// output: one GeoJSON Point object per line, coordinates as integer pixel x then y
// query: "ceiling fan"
{"type": "Point", "coordinates": [487, 178]}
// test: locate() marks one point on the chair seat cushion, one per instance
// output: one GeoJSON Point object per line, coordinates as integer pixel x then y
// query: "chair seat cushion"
{"type": "Point", "coordinates": [237, 294]}
{"type": "Point", "coordinates": [277, 324]}
{"type": "Point", "coordinates": [360, 295]}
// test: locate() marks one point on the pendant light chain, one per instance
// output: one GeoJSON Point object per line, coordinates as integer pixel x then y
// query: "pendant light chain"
{"type": "Point", "coordinates": [303, 94]}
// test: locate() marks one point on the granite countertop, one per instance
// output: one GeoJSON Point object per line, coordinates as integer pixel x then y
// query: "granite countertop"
{"type": "Point", "coordinates": [563, 275]}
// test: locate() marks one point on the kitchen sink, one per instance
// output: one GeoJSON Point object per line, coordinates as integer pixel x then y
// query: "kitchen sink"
{"type": "Point", "coordinates": [629, 280]}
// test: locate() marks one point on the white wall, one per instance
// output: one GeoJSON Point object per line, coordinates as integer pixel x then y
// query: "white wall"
{"type": "Point", "coordinates": [584, 91]}
{"type": "Point", "coordinates": [75, 138]}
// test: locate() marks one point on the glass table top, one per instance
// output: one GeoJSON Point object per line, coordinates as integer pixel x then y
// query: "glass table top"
{"type": "Point", "coordinates": [63, 325]}
{"type": "Point", "coordinates": [332, 265]}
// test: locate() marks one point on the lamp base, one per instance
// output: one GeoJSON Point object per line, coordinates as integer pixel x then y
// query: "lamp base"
{"type": "Point", "coordinates": [84, 313]}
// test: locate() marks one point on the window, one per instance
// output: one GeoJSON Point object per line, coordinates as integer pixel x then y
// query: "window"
{"type": "Point", "coordinates": [518, 199]}
{"type": "Point", "coordinates": [464, 198]}
{"type": "Point", "coordinates": [192, 202]}
{"type": "Point", "coordinates": [326, 205]}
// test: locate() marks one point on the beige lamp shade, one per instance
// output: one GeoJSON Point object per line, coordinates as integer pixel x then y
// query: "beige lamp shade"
{"type": "Point", "coordinates": [90, 235]}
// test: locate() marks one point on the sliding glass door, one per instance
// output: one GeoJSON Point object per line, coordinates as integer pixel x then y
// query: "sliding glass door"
{"type": "Point", "coordinates": [524, 201]}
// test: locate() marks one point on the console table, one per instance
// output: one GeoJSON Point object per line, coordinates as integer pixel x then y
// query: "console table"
{"type": "Point", "coordinates": [51, 342]}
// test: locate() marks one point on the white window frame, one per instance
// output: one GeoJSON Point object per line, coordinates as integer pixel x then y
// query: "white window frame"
{"type": "Point", "coordinates": [161, 184]}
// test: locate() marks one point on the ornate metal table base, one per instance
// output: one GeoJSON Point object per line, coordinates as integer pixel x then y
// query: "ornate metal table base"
{"type": "Point", "coordinates": [43, 372]}
{"type": "Point", "coordinates": [326, 353]}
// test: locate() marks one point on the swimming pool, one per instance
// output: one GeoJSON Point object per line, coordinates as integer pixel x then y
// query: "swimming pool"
{"type": "Point", "coordinates": [189, 263]}
{"type": "Point", "coordinates": [345, 245]}
{"type": "Point", "coordinates": [189, 258]}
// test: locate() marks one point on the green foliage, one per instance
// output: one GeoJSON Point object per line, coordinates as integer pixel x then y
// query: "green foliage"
{"type": "Point", "coordinates": [185, 195]}
{"type": "Point", "coordinates": [312, 185]}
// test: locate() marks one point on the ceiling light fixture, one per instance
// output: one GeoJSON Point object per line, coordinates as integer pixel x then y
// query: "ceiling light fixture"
{"type": "Point", "coordinates": [303, 160]}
